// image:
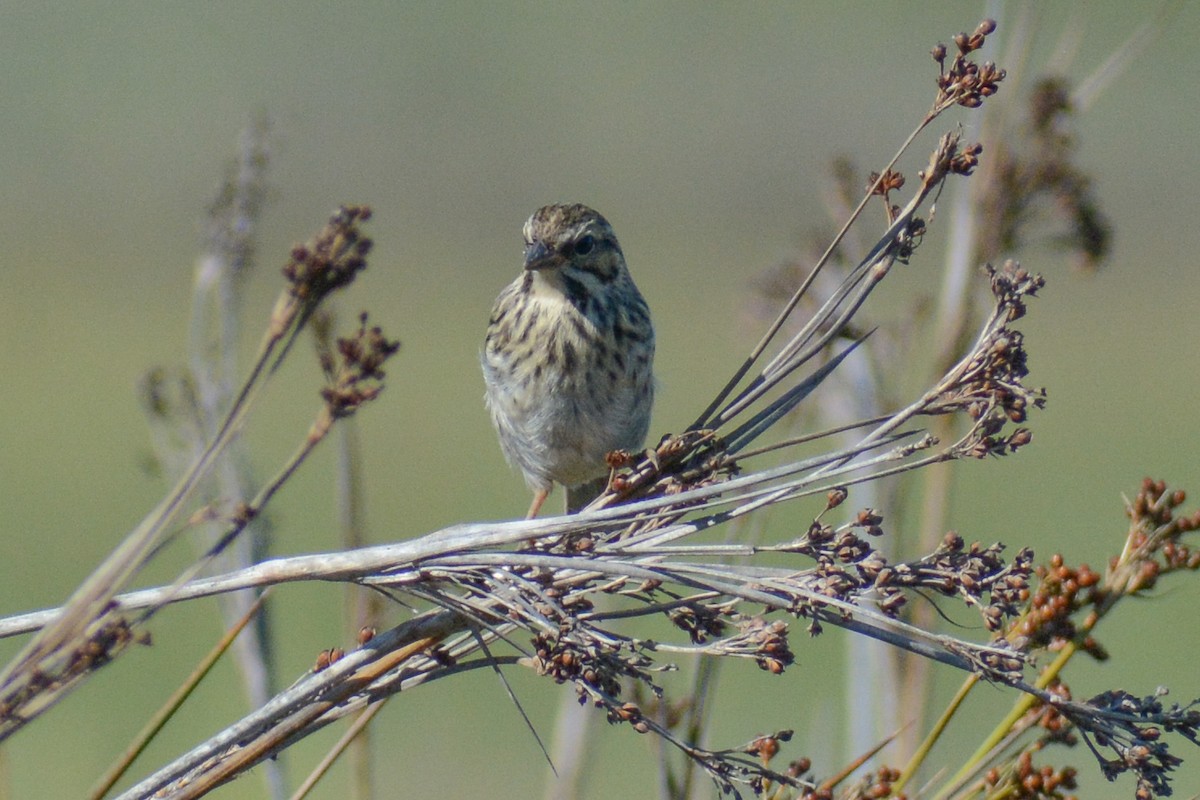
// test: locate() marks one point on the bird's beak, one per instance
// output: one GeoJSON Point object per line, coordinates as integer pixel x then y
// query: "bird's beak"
{"type": "Point", "coordinates": [539, 256]}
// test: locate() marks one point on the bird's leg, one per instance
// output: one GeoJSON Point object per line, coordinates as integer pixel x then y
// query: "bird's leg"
{"type": "Point", "coordinates": [539, 497]}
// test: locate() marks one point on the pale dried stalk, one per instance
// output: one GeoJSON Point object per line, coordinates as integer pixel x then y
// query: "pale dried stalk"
{"type": "Point", "coordinates": [90, 630]}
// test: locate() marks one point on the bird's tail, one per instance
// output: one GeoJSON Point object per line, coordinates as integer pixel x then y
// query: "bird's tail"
{"type": "Point", "coordinates": [579, 496]}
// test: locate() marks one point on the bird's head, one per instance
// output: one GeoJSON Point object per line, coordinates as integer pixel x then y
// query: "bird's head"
{"type": "Point", "coordinates": [575, 240]}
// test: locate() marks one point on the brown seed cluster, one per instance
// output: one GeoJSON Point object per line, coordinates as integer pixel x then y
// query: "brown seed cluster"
{"type": "Point", "coordinates": [848, 566]}
{"type": "Point", "coordinates": [332, 259]}
{"type": "Point", "coordinates": [325, 658]}
{"type": "Point", "coordinates": [963, 82]}
{"type": "Point", "coordinates": [766, 747]}
{"type": "Point", "coordinates": [835, 497]}
{"type": "Point", "coordinates": [1026, 781]}
{"type": "Point", "coordinates": [677, 463]}
{"type": "Point", "coordinates": [1062, 591]}
{"type": "Point", "coordinates": [878, 785]}
{"type": "Point", "coordinates": [1048, 717]}
{"type": "Point", "coordinates": [990, 385]}
{"type": "Point", "coordinates": [102, 646]}
{"type": "Point", "coordinates": [1129, 727]}
{"type": "Point", "coordinates": [875, 785]}
{"type": "Point", "coordinates": [966, 159]}
{"type": "Point", "coordinates": [698, 621]}
{"type": "Point", "coordinates": [1064, 610]}
{"type": "Point", "coordinates": [564, 661]}
{"type": "Point", "coordinates": [1011, 284]}
{"type": "Point", "coordinates": [883, 185]}
{"type": "Point", "coordinates": [619, 459]}
{"type": "Point", "coordinates": [768, 642]}
{"type": "Point", "coordinates": [631, 713]}
{"type": "Point", "coordinates": [1155, 536]}
{"type": "Point", "coordinates": [976, 573]}
{"type": "Point", "coordinates": [1069, 601]}
{"type": "Point", "coordinates": [355, 375]}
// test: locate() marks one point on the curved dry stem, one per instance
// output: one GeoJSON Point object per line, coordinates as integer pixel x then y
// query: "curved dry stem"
{"type": "Point", "coordinates": [58, 657]}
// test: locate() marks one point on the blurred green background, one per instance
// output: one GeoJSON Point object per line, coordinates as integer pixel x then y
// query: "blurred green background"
{"type": "Point", "coordinates": [704, 133]}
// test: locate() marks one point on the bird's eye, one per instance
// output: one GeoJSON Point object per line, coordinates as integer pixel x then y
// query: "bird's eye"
{"type": "Point", "coordinates": [584, 245]}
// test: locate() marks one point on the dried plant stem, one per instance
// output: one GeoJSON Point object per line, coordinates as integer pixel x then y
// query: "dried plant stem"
{"type": "Point", "coordinates": [87, 604]}
{"type": "Point", "coordinates": [249, 511]}
{"type": "Point", "coordinates": [214, 334]}
{"type": "Point", "coordinates": [1154, 534]}
{"type": "Point", "coordinates": [773, 329]}
{"type": "Point", "coordinates": [847, 770]}
{"type": "Point", "coordinates": [90, 629]}
{"type": "Point", "coordinates": [939, 727]}
{"type": "Point", "coordinates": [707, 674]}
{"type": "Point", "coordinates": [285, 732]}
{"type": "Point", "coordinates": [558, 591]}
{"type": "Point", "coordinates": [279, 722]}
{"type": "Point", "coordinates": [574, 727]}
{"type": "Point", "coordinates": [362, 608]}
{"type": "Point", "coordinates": [1122, 56]}
{"type": "Point", "coordinates": [355, 732]}
{"type": "Point", "coordinates": [1021, 707]}
{"type": "Point", "coordinates": [177, 699]}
